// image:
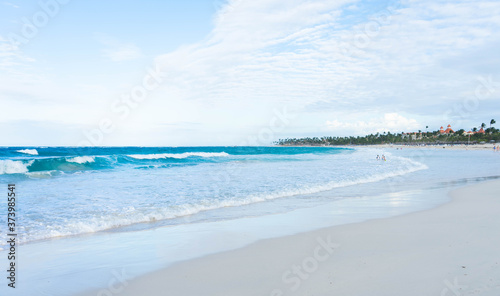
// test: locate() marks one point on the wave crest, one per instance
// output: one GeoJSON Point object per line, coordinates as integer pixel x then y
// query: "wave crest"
{"type": "Point", "coordinates": [28, 151]}
{"type": "Point", "coordinates": [13, 167]}
{"type": "Point", "coordinates": [82, 159]}
{"type": "Point", "coordinates": [131, 216]}
{"type": "Point", "coordinates": [178, 155]}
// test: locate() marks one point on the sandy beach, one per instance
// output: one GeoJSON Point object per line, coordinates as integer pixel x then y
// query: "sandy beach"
{"type": "Point", "coordinates": [448, 250]}
{"type": "Point", "coordinates": [483, 147]}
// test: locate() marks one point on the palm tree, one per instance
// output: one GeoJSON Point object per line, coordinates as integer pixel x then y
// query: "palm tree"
{"type": "Point", "coordinates": [474, 129]}
{"type": "Point", "coordinates": [483, 125]}
{"type": "Point", "coordinates": [492, 122]}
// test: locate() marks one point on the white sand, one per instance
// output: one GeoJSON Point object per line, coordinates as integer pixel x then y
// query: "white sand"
{"type": "Point", "coordinates": [488, 146]}
{"type": "Point", "coordinates": [450, 250]}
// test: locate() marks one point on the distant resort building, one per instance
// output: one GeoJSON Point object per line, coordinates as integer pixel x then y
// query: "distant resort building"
{"type": "Point", "coordinates": [447, 131]}
{"type": "Point", "coordinates": [470, 133]}
{"type": "Point", "coordinates": [442, 131]}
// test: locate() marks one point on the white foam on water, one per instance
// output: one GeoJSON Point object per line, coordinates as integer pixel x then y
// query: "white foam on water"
{"type": "Point", "coordinates": [130, 215]}
{"type": "Point", "coordinates": [13, 167]}
{"type": "Point", "coordinates": [82, 159]}
{"type": "Point", "coordinates": [178, 155]}
{"type": "Point", "coordinates": [40, 175]}
{"type": "Point", "coordinates": [28, 151]}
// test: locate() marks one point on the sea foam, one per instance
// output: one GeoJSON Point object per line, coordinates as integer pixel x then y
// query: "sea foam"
{"type": "Point", "coordinates": [138, 197]}
{"type": "Point", "coordinates": [178, 155]}
{"type": "Point", "coordinates": [13, 167]}
{"type": "Point", "coordinates": [28, 151]}
{"type": "Point", "coordinates": [131, 215]}
{"type": "Point", "coordinates": [82, 159]}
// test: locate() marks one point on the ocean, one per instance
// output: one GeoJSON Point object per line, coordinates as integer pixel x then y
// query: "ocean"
{"type": "Point", "coordinates": [68, 191]}
{"type": "Point", "coordinates": [100, 202]}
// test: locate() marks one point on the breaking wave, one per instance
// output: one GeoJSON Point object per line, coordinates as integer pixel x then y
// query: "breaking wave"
{"type": "Point", "coordinates": [28, 151]}
{"type": "Point", "coordinates": [14, 167]}
{"type": "Point", "coordinates": [82, 159]}
{"type": "Point", "coordinates": [178, 155]}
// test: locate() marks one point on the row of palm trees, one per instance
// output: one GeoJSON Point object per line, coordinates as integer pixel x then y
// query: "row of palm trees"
{"type": "Point", "coordinates": [483, 126]}
{"type": "Point", "coordinates": [387, 137]}
{"type": "Point", "coordinates": [492, 122]}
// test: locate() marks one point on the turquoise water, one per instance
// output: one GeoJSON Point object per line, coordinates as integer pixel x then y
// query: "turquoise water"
{"type": "Point", "coordinates": [90, 213]}
{"type": "Point", "coordinates": [69, 191]}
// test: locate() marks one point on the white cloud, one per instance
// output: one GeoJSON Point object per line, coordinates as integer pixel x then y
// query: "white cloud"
{"type": "Point", "coordinates": [294, 52]}
{"type": "Point", "coordinates": [28, 93]}
{"type": "Point", "coordinates": [10, 4]}
{"type": "Point", "coordinates": [390, 122]}
{"type": "Point", "coordinates": [11, 56]}
{"type": "Point", "coordinates": [279, 53]}
{"type": "Point", "coordinates": [121, 53]}
{"type": "Point", "coordinates": [118, 51]}
{"type": "Point", "coordinates": [322, 59]}
{"type": "Point", "coordinates": [251, 52]}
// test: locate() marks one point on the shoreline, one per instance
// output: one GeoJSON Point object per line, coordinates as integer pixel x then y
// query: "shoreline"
{"type": "Point", "coordinates": [487, 146]}
{"type": "Point", "coordinates": [483, 147]}
{"type": "Point", "coordinates": [420, 253]}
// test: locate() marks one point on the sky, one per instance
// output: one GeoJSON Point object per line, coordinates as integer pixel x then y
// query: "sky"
{"type": "Point", "coordinates": [241, 72]}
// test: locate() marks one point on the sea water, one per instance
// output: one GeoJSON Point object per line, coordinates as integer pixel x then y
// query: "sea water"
{"type": "Point", "coordinates": [68, 191]}
{"type": "Point", "coordinates": [87, 211]}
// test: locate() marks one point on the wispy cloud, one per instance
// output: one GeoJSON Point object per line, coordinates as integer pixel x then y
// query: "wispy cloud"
{"type": "Point", "coordinates": [341, 65]}
{"type": "Point", "coordinates": [389, 122]}
{"type": "Point", "coordinates": [121, 53]}
{"type": "Point", "coordinates": [11, 56]}
{"type": "Point", "coordinates": [258, 50]}
{"type": "Point", "coordinates": [118, 51]}
{"type": "Point", "coordinates": [292, 52]}
{"type": "Point", "coordinates": [10, 4]}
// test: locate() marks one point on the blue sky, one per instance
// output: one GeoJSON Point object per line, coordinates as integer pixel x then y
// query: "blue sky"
{"type": "Point", "coordinates": [225, 69]}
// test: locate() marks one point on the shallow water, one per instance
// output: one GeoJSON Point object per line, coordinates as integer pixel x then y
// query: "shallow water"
{"type": "Point", "coordinates": [266, 195]}
{"type": "Point", "coordinates": [68, 191]}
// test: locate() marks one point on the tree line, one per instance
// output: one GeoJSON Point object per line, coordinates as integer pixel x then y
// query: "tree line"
{"type": "Point", "coordinates": [430, 138]}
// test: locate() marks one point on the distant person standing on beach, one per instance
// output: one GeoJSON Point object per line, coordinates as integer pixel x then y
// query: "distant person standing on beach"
{"type": "Point", "coordinates": [383, 157]}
